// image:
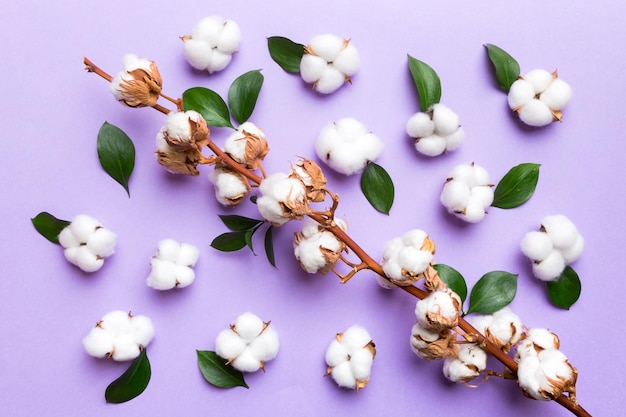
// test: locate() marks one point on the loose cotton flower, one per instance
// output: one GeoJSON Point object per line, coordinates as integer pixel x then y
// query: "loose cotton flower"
{"type": "Point", "coordinates": [467, 365]}
{"type": "Point", "coordinates": [212, 43]}
{"type": "Point", "coordinates": [439, 311]}
{"type": "Point", "coordinates": [539, 97]}
{"type": "Point", "coordinates": [248, 344]}
{"type": "Point", "coordinates": [119, 335]}
{"type": "Point", "coordinates": [467, 192]}
{"type": "Point", "coordinates": [247, 145]}
{"type": "Point", "coordinates": [317, 248]}
{"type": "Point", "coordinates": [406, 258]}
{"type": "Point", "coordinates": [347, 146]}
{"type": "Point", "coordinates": [350, 357]}
{"type": "Point", "coordinates": [139, 84]}
{"type": "Point", "coordinates": [283, 198]}
{"type": "Point", "coordinates": [328, 62]}
{"type": "Point", "coordinates": [86, 243]}
{"type": "Point", "coordinates": [435, 131]}
{"type": "Point", "coordinates": [230, 186]}
{"type": "Point", "coordinates": [180, 141]}
{"type": "Point", "coordinates": [502, 328]}
{"type": "Point", "coordinates": [172, 266]}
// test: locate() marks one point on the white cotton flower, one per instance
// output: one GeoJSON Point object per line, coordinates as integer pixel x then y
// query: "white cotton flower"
{"type": "Point", "coordinates": [328, 62]}
{"type": "Point", "coordinates": [347, 146]}
{"type": "Point", "coordinates": [119, 335]}
{"type": "Point", "coordinates": [248, 343]}
{"type": "Point", "coordinates": [247, 145]}
{"type": "Point", "coordinates": [406, 258]}
{"type": "Point", "coordinates": [350, 357]}
{"type": "Point", "coordinates": [469, 363]}
{"type": "Point", "coordinates": [439, 310]}
{"type": "Point", "coordinates": [546, 375]}
{"type": "Point", "coordinates": [212, 43]}
{"type": "Point", "coordinates": [539, 97]}
{"type": "Point", "coordinates": [467, 192]}
{"type": "Point", "coordinates": [317, 248]}
{"type": "Point", "coordinates": [536, 339]}
{"type": "Point", "coordinates": [86, 243]}
{"type": "Point", "coordinates": [503, 328]}
{"type": "Point", "coordinates": [435, 131]}
{"type": "Point", "coordinates": [231, 187]}
{"type": "Point", "coordinates": [139, 84]}
{"type": "Point", "coordinates": [283, 198]}
{"type": "Point", "coordinates": [172, 265]}
{"type": "Point", "coordinates": [432, 344]}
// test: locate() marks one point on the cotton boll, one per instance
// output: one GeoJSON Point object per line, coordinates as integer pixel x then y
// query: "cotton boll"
{"type": "Point", "coordinates": [336, 354]}
{"type": "Point", "coordinates": [326, 46]}
{"type": "Point", "coordinates": [536, 113]}
{"type": "Point", "coordinates": [414, 260]}
{"type": "Point", "coordinates": [229, 38]}
{"type": "Point", "coordinates": [125, 348]}
{"type": "Point", "coordinates": [348, 61]}
{"type": "Point", "coordinates": [98, 342]}
{"type": "Point", "coordinates": [455, 195]}
{"type": "Point", "coordinates": [184, 276]}
{"type": "Point", "coordinates": [446, 121]}
{"type": "Point", "coordinates": [520, 93]}
{"type": "Point", "coordinates": [163, 274]}
{"type": "Point", "coordinates": [248, 326]}
{"type": "Point", "coordinates": [198, 53]}
{"type": "Point", "coordinates": [557, 95]}
{"type": "Point", "coordinates": [229, 344]}
{"type": "Point", "coordinates": [330, 81]}
{"type": "Point", "coordinates": [550, 268]}
{"type": "Point", "coordinates": [102, 242]}
{"type": "Point", "coordinates": [472, 355]}
{"type": "Point", "coordinates": [246, 362]}
{"type": "Point", "coordinates": [265, 346]}
{"type": "Point", "coordinates": [474, 212]}
{"type": "Point", "coordinates": [142, 330]}
{"type": "Point", "coordinates": [433, 145]}
{"type": "Point", "coordinates": [87, 260]}
{"type": "Point", "coordinates": [355, 338]}
{"type": "Point", "coordinates": [188, 255]}
{"type": "Point", "coordinates": [83, 226]}
{"type": "Point", "coordinates": [574, 252]}
{"type": "Point", "coordinates": [539, 79]}
{"type": "Point", "coordinates": [454, 139]}
{"type": "Point", "coordinates": [537, 245]}
{"type": "Point", "coordinates": [361, 364]}
{"type": "Point", "coordinates": [342, 375]}
{"type": "Point", "coordinates": [312, 68]}
{"type": "Point", "coordinates": [67, 238]}
{"type": "Point", "coordinates": [420, 125]}
{"type": "Point", "coordinates": [561, 230]}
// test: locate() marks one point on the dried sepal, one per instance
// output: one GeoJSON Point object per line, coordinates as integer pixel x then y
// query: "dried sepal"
{"type": "Point", "coordinates": [312, 177]}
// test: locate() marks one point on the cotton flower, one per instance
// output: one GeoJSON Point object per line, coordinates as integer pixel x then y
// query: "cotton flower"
{"type": "Point", "coordinates": [172, 265]}
{"type": "Point", "coordinates": [230, 186]}
{"type": "Point", "coordinates": [406, 258]}
{"type": "Point", "coordinates": [503, 328]}
{"type": "Point", "coordinates": [139, 84]}
{"type": "Point", "coordinates": [283, 198]}
{"type": "Point", "coordinates": [247, 145]}
{"type": "Point", "coordinates": [347, 146]}
{"type": "Point", "coordinates": [554, 246]}
{"type": "Point", "coordinates": [439, 310]}
{"type": "Point", "coordinates": [435, 131]}
{"type": "Point", "coordinates": [350, 357]}
{"type": "Point", "coordinates": [539, 97]}
{"type": "Point", "coordinates": [431, 344]}
{"type": "Point", "coordinates": [212, 43]}
{"type": "Point", "coordinates": [467, 192]}
{"type": "Point", "coordinates": [180, 140]}
{"type": "Point", "coordinates": [467, 365]}
{"type": "Point", "coordinates": [86, 243]}
{"type": "Point", "coordinates": [317, 248]}
{"type": "Point", "coordinates": [119, 335]}
{"type": "Point", "coordinates": [248, 344]}
{"type": "Point", "coordinates": [312, 177]}
{"type": "Point", "coordinates": [328, 62]}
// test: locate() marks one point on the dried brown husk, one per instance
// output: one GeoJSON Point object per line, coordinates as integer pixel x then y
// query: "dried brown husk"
{"type": "Point", "coordinates": [144, 88]}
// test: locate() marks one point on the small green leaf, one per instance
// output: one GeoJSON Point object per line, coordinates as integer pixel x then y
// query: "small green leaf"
{"type": "Point", "coordinates": [49, 226]}
{"type": "Point", "coordinates": [116, 153]}
{"type": "Point", "coordinates": [427, 83]}
{"type": "Point", "coordinates": [269, 246]}
{"type": "Point", "coordinates": [132, 382]}
{"type": "Point", "coordinates": [565, 291]}
{"type": "Point", "coordinates": [248, 237]}
{"type": "Point", "coordinates": [377, 187]}
{"type": "Point", "coordinates": [217, 373]}
{"type": "Point", "coordinates": [517, 186]}
{"type": "Point", "coordinates": [506, 68]}
{"type": "Point", "coordinates": [453, 279]}
{"type": "Point", "coordinates": [243, 94]}
{"type": "Point", "coordinates": [238, 223]}
{"type": "Point", "coordinates": [230, 242]}
{"type": "Point", "coordinates": [209, 104]}
{"type": "Point", "coordinates": [286, 53]}
{"type": "Point", "coordinates": [494, 291]}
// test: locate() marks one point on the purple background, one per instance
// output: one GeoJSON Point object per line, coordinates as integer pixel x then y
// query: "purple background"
{"type": "Point", "coordinates": [51, 115]}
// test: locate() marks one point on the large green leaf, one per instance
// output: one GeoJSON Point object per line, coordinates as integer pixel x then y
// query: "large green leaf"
{"type": "Point", "coordinates": [132, 382]}
{"type": "Point", "coordinates": [230, 242]}
{"type": "Point", "coordinates": [506, 67]}
{"type": "Point", "coordinates": [238, 223]}
{"type": "Point", "coordinates": [565, 291]}
{"type": "Point", "coordinates": [243, 94]}
{"type": "Point", "coordinates": [209, 104]}
{"type": "Point", "coordinates": [517, 186]}
{"type": "Point", "coordinates": [453, 279]}
{"type": "Point", "coordinates": [494, 291]}
{"type": "Point", "coordinates": [216, 372]}
{"type": "Point", "coordinates": [427, 83]}
{"type": "Point", "coordinates": [377, 187]}
{"type": "Point", "coordinates": [116, 153]}
{"type": "Point", "coordinates": [285, 53]}
{"type": "Point", "coordinates": [49, 226]}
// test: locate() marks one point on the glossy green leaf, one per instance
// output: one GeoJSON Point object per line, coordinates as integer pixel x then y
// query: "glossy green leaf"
{"type": "Point", "coordinates": [243, 94]}
{"type": "Point", "coordinates": [217, 373]}
{"type": "Point", "coordinates": [248, 237]}
{"type": "Point", "coordinates": [517, 186]}
{"type": "Point", "coordinates": [238, 223]}
{"type": "Point", "coordinates": [49, 226]}
{"type": "Point", "coordinates": [506, 68]}
{"type": "Point", "coordinates": [116, 153]}
{"type": "Point", "coordinates": [286, 53]}
{"type": "Point", "coordinates": [230, 242]}
{"type": "Point", "coordinates": [427, 83]}
{"type": "Point", "coordinates": [209, 104]}
{"type": "Point", "coordinates": [453, 279]}
{"type": "Point", "coordinates": [494, 291]}
{"type": "Point", "coordinates": [377, 187]}
{"type": "Point", "coordinates": [132, 382]}
{"type": "Point", "coordinates": [269, 246]}
{"type": "Point", "coordinates": [565, 291]}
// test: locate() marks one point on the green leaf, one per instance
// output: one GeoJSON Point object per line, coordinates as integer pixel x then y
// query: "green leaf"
{"type": "Point", "coordinates": [427, 83]}
{"type": "Point", "coordinates": [377, 187]}
{"type": "Point", "coordinates": [517, 186]}
{"type": "Point", "coordinates": [494, 291]}
{"type": "Point", "coordinates": [565, 291]}
{"type": "Point", "coordinates": [248, 237]}
{"type": "Point", "coordinates": [243, 94]}
{"type": "Point", "coordinates": [116, 153]}
{"type": "Point", "coordinates": [209, 104]}
{"type": "Point", "coordinates": [269, 246]}
{"type": "Point", "coordinates": [238, 223]}
{"type": "Point", "coordinates": [49, 226]}
{"type": "Point", "coordinates": [453, 279]}
{"type": "Point", "coordinates": [217, 373]}
{"type": "Point", "coordinates": [132, 382]}
{"type": "Point", "coordinates": [506, 68]}
{"type": "Point", "coordinates": [230, 242]}
{"type": "Point", "coordinates": [285, 53]}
